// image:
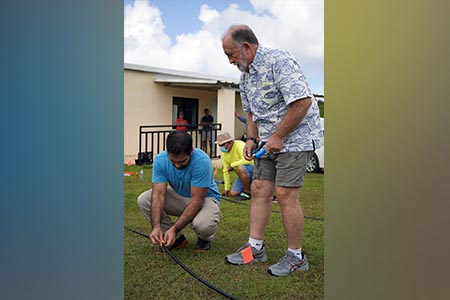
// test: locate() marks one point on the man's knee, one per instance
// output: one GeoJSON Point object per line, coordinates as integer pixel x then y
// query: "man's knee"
{"type": "Point", "coordinates": [234, 193]}
{"type": "Point", "coordinates": [204, 228]}
{"type": "Point", "coordinates": [242, 173]}
{"type": "Point", "coordinates": [262, 188]}
{"type": "Point", "coordinates": [144, 199]}
{"type": "Point", "coordinates": [288, 194]}
{"type": "Point", "coordinates": [258, 185]}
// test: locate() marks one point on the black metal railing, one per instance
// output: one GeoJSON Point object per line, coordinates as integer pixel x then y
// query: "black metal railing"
{"type": "Point", "coordinates": [152, 140]}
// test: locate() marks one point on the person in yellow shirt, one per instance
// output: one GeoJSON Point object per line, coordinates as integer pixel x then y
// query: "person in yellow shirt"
{"type": "Point", "coordinates": [233, 160]}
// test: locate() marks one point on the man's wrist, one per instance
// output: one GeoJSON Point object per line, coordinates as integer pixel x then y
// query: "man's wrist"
{"type": "Point", "coordinates": [276, 134]}
{"type": "Point", "coordinates": [176, 227]}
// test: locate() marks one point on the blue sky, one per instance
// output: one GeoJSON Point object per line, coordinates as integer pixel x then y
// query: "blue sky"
{"type": "Point", "coordinates": [185, 35]}
{"type": "Point", "coordinates": [182, 15]}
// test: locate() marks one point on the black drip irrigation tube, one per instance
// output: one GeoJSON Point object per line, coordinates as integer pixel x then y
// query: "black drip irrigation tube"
{"type": "Point", "coordinates": [209, 285]}
{"type": "Point", "coordinates": [242, 202]}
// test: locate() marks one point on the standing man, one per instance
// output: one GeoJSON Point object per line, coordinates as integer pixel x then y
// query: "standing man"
{"type": "Point", "coordinates": [191, 195]}
{"type": "Point", "coordinates": [207, 135]}
{"type": "Point", "coordinates": [233, 160]}
{"type": "Point", "coordinates": [283, 113]}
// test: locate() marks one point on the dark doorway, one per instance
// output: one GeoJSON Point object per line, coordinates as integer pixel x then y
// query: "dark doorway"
{"type": "Point", "coordinates": [189, 107]}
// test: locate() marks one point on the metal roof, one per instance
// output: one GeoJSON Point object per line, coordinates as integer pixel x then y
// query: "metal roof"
{"type": "Point", "coordinates": [185, 79]}
{"type": "Point", "coordinates": [177, 78]}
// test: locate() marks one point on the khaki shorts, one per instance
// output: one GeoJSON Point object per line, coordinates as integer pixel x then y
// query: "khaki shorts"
{"type": "Point", "coordinates": [284, 169]}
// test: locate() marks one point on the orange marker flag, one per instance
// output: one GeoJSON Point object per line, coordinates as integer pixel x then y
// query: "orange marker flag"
{"type": "Point", "coordinates": [216, 171]}
{"type": "Point", "coordinates": [129, 162]}
{"type": "Point", "coordinates": [247, 255]}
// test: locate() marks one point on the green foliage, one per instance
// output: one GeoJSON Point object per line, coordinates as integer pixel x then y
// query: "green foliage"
{"type": "Point", "coordinates": [321, 108]}
{"type": "Point", "coordinates": [156, 276]}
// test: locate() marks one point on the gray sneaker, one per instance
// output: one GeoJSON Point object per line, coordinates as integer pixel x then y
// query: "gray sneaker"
{"type": "Point", "coordinates": [236, 258]}
{"type": "Point", "coordinates": [288, 264]}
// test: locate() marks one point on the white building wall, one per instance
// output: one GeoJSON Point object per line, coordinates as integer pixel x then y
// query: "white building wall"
{"type": "Point", "coordinates": [150, 103]}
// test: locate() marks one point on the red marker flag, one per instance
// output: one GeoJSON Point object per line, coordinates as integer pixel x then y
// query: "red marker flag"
{"type": "Point", "coordinates": [247, 255]}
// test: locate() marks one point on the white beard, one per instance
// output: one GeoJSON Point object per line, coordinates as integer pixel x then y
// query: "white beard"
{"type": "Point", "coordinates": [240, 67]}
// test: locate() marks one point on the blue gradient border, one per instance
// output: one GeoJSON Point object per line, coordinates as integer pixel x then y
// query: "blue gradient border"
{"type": "Point", "coordinates": [62, 150]}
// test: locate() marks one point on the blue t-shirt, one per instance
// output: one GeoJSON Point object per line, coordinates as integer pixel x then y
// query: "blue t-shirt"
{"type": "Point", "coordinates": [198, 173]}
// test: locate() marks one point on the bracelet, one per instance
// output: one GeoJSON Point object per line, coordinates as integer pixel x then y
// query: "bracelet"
{"type": "Point", "coordinates": [252, 139]}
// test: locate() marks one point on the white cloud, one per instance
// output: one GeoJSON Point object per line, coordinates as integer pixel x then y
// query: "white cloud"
{"type": "Point", "coordinates": [144, 38]}
{"type": "Point", "coordinates": [207, 14]}
{"type": "Point", "coordinates": [292, 25]}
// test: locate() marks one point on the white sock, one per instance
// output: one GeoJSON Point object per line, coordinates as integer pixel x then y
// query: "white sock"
{"type": "Point", "coordinates": [255, 243]}
{"type": "Point", "coordinates": [297, 252]}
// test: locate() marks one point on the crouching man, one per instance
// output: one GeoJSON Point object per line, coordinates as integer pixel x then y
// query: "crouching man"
{"type": "Point", "coordinates": [233, 160]}
{"type": "Point", "coordinates": [182, 186]}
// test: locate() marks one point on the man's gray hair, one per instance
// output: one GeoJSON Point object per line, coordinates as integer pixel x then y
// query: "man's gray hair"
{"type": "Point", "coordinates": [241, 33]}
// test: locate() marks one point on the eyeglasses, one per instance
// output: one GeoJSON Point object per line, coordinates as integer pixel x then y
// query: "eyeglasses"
{"type": "Point", "coordinates": [221, 145]}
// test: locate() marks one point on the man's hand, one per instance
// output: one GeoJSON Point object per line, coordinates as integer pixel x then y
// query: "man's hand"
{"type": "Point", "coordinates": [226, 193]}
{"type": "Point", "coordinates": [230, 169]}
{"type": "Point", "coordinates": [156, 236]}
{"type": "Point", "coordinates": [249, 146]}
{"type": "Point", "coordinates": [274, 144]}
{"type": "Point", "coordinates": [170, 236]}
{"type": "Point", "coordinates": [296, 112]}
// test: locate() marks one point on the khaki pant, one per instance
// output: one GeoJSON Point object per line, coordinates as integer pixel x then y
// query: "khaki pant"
{"type": "Point", "coordinates": [204, 224]}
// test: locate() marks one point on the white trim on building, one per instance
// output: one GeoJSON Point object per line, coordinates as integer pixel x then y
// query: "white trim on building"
{"type": "Point", "coordinates": [148, 94]}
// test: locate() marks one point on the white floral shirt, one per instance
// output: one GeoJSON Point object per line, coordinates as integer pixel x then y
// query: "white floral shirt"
{"type": "Point", "coordinates": [275, 80]}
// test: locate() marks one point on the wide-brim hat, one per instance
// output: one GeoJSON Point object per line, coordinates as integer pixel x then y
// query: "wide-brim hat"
{"type": "Point", "coordinates": [223, 137]}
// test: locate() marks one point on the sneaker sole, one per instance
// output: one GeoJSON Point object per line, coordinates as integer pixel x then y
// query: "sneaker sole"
{"type": "Point", "coordinates": [303, 268]}
{"type": "Point", "coordinates": [180, 246]}
{"type": "Point", "coordinates": [201, 250]}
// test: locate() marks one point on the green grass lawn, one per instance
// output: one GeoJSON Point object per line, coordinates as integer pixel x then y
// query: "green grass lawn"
{"type": "Point", "coordinates": [156, 276]}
